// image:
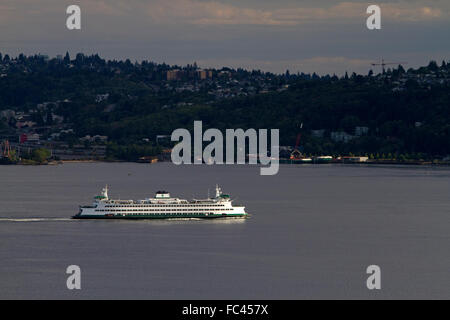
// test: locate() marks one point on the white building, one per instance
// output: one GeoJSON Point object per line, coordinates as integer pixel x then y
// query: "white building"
{"type": "Point", "coordinates": [7, 114]}
{"type": "Point", "coordinates": [318, 133]}
{"type": "Point", "coordinates": [95, 138]}
{"type": "Point", "coordinates": [361, 131]}
{"type": "Point", "coordinates": [101, 97]}
{"type": "Point", "coordinates": [341, 136]}
{"type": "Point", "coordinates": [33, 138]}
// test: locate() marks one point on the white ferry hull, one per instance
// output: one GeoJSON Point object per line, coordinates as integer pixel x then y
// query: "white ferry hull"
{"type": "Point", "coordinates": [91, 214]}
{"type": "Point", "coordinates": [166, 216]}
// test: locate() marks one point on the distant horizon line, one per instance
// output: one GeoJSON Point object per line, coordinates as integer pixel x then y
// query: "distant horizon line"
{"type": "Point", "coordinates": [140, 61]}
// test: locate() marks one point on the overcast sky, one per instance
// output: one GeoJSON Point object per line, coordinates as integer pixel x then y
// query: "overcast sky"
{"type": "Point", "coordinates": [307, 36]}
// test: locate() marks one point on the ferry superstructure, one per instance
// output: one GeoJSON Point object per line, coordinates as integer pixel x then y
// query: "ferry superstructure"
{"type": "Point", "coordinates": [162, 206]}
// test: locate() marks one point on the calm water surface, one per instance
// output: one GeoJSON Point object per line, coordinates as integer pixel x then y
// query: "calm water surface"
{"type": "Point", "coordinates": [312, 233]}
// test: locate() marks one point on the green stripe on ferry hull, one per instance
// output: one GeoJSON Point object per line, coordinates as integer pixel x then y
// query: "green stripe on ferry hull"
{"type": "Point", "coordinates": [139, 217]}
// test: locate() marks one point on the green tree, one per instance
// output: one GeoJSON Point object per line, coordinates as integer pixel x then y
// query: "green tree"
{"type": "Point", "coordinates": [349, 123]}
{"type": "Point", "coordinates": [67, 58]}
{"type": "Point", "coordinates": [49, 120]}
{"type": "Point", "coordinates": [40, 155]}
{"type": "Point", "coordinates": [3, 126]}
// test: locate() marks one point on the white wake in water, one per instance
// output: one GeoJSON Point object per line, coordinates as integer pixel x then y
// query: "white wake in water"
{"type": "Point", "coordinates": [34, 219]}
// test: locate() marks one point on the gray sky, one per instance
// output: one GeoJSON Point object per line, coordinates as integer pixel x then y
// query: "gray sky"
{"type": "Point", "coordinates": [306, 36]}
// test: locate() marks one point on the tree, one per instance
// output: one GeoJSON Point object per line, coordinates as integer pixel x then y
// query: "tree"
{"type": "Point", "coordinates": [40, 155]}
{"type": "Point", "coordinates": [3, 126]}
{"type": "Point", "coordinates": [67, 58]}
{"type": "Point", "coordinates": [49, 120]}
{"type": "Point", "coordinates": [349, 123]}
{"type": "Point", "coordinates": [433, 66]}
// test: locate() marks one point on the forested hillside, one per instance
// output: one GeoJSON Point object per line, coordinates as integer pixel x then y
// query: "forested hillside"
{"type": "Point", "coordinates": [403, 112]}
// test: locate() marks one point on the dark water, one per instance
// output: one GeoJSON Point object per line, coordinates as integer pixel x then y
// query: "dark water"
{"type": "Point", "coordinates": [312, 233]}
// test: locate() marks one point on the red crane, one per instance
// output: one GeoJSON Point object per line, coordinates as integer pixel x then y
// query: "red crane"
{"type": "Point", "coordinates": [296, 153]}
{"type": "Point", "coordinates": [384, 64]}
{"type": "Point", "coordinates": [7, 149]}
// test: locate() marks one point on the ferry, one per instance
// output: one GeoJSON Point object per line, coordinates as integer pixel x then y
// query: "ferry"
{"type": "Point", "coordinates": [162, 206]}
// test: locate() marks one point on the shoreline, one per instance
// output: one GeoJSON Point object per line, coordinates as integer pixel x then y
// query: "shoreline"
{"type": "Point", "coordinates": [367, 163]}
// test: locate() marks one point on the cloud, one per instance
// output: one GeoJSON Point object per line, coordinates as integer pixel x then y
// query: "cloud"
{"type": "Point", "coordinates": [108, 7]}
{"type": "Point", "coordinates": [217, 13]}
{"type": "Point", "coordinates": [5, 13]}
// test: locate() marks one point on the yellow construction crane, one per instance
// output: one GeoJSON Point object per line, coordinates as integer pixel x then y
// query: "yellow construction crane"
{"type": "Point", "coordinates": [384, 64]}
